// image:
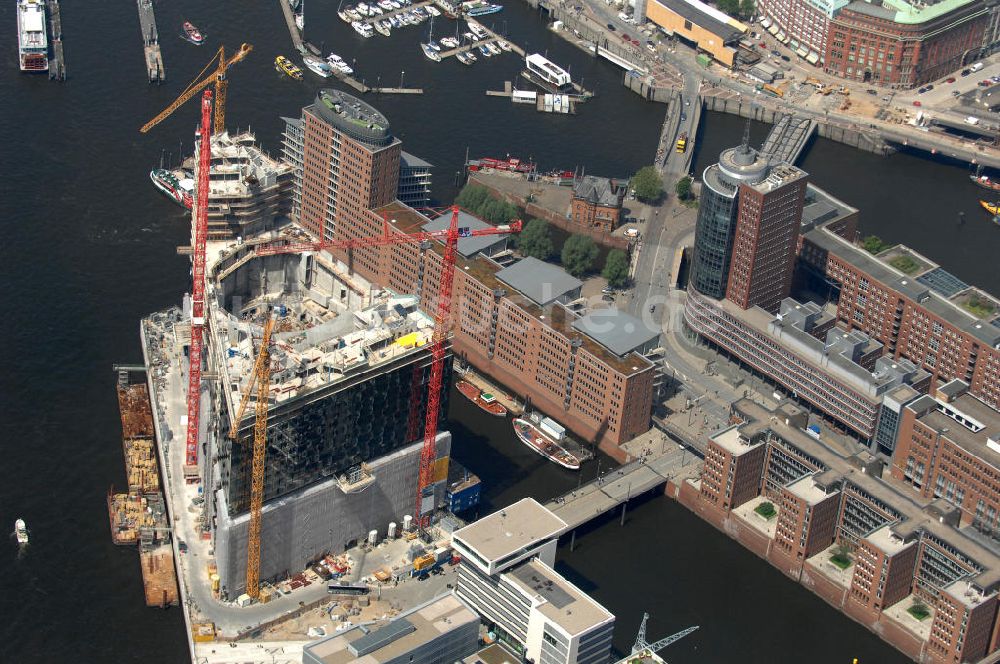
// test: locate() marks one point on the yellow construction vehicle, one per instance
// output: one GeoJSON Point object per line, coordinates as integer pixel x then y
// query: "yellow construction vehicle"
{"type": "Point", "coordinates": [218, 77]}
{"type": "Point", "coordinates": [261, 378]}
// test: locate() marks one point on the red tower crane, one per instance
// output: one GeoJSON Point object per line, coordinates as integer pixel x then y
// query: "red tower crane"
{"type": "Point", "coordinates": [200, 232]}
{"type": "Point", "coordinates": [442, 316]}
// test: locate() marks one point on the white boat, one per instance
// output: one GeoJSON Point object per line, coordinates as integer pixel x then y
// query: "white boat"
{"type": "Point", "coordinates": [545, 445]}
{"type": "Point", "coordinates": [338, 62]}
{"type": "Point", "coordinates": [396, 4]}
{"type": "Point", "coordinates": [21, 531]}
{"type": "Point", "coordinates": [464, 58]}
{"type": "Point", "coordinates": [471, 57]}
{"type": "Point", "coordinates": [363, 29]}
{"type": "Point", "coordinates": [374, 11]}
{"type": "Point", "coordinates": [430, 53]}
{"type": "Point", "coordinates": [353, 15]}
{"type": "Point", "coordinates": [485, 51]}
{"type": "Point", "coordinates": [547, 74]}
{"type": "Point", "coordinates": [432, 10]}
{"type": "Point", "coordinates": [361, 8]}
{"type": "Point", "coordinates": [494, 49]}
{"type": "Point", "coordinates": [299, 21]}
{"type": "Point", "coordinates": [383, 27]}
{"type": "Point", "coordinates": [317, 66]}
{"type": "Point", "coordinates": [32, 40]}
{"type": "Point", "coordinates": [344, 16]}
{"type": "Point", "coordinates": [449, 42]}
{"type": "Point", "coordinates": [504, 45]}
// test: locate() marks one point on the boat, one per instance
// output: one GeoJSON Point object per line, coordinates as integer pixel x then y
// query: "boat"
{"type": "Point", "coordinates": [471, 57]}
{"type": "Point", "coordinates": [463, 58]}
{"type": "Point", "coordinates": [432, 10]}
{"type": "Point", "coordinates": [533, 437]}
{"type": "Point", "coordinates": [317, 66]}
{"type": "Point", "coordinates": [434, 45]}
{"type": "Point", "coordinates": [481, 398]}
{"type": "Point", "coordinates": [344, 16]}
{"type": "Point", "coordinates": [485, 51]}
{"type": "Point", "coordinates": [992, 208]}
{"type": "Point", "coordinates": [985, 182]}
{"type": "Point", "coordinates": [449, 42]}
{"type": "Point", "coordinates": [484, 8]}
{"type": "Point", "coordinates": [179, 190]}
{"type": "Point", "coordinates": [285, 66]}
{"type": "Point", "coordinates": [192, 34]}
{"type": "Point", "coordinates": [504, 45]}
{"type": "Point", "coordinates": [382, 27]}
{"type": "Point", "coordinates": [32, 40]}
{"type": "Point", "coordinates": [338, 62]}
{"type": "Point", "coordinates": [300, 21]}
{"type": "Point", "coordinates": [361, 8]}
{"type": "Point", "coordinates": [494, 49]}
{"type": "Point", "coordinates": [363, 29]}
{"type": "Point", "coordinates": [430, 53]}
{"type": "Point", "coordinates": [21, 531]}
{"type": "Point", "coordinates": [547, 74]}
{"type": "Point", "coordinates": [512, 164]}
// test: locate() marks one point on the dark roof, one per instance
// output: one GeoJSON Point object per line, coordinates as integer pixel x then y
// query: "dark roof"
{"type": "Point", "coordinates": [688, 11]}
{"type": "Point", "coordinates": [467, 246]}
{"type": "Point", "coordinates": [598, 190]}
{"type": "Point", "coordinates": [407, 160]}
{"type": "Point", "coordinates": [542, 282]}
{"type": "Point", "coordinates": [616, 330]}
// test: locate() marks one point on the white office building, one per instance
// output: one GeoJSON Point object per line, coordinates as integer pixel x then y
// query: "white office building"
{"type": "Point", "coordinates": [507, 576]}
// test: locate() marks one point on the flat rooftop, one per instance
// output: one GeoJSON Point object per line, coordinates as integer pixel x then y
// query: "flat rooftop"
{"type": "Point", "coordinates": [516, 527]}
{"type": "Point", "coordinates": [970, 424]}
{"type": "Point", "coordinates": [358, 119]}
{"type": "Point", "coordinates": [542, 282]}
{"type": "Point", "coordinates": [886, 540]}
{"type": "Point", "coordinates": [467, 246]}
{"type": "Point", "coordinates": [807, 489]}
{"type": "Point", "coordinates": [706, 17]}
{"type": "Point", "coordinates": [619, 332]}
{"type": "Point", "coordinates": [378, 644]}
{"type": "Point", "coordinates": [561, 602]}
{"type": "Point", "coordinates": [733, 441]}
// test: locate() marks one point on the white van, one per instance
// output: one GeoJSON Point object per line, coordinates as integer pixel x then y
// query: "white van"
{"type": "Point", "coordinates": [976, 67]}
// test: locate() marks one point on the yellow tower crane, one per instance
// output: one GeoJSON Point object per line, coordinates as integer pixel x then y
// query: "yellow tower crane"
{"type": "Point", "coordinates": [262, 379]}
{"type": "Point", "coordinates": [218, 77]}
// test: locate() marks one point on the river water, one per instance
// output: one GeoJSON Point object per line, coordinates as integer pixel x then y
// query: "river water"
{"type": "Point", "coordinates": [89, 247]}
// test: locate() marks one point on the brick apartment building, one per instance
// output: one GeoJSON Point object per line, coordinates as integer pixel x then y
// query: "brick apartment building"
{"type": "Point", "coordinates": [949, 446]}
{"type": "Point", "coordinates": [585, 370]}
{"type": "Point", "coordinates": [900, 551]}
{"type": "Point", "coordinates": [597, 202]}
{"type": "Point", "coordinates": [905, 43]}
{"type": "Point", "coordinates": [802, 24]}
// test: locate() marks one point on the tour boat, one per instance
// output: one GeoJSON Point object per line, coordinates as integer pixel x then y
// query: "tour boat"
{"type": "Point", "coordinates": [32, 40]}
{"type": "Point", "coordinates": [985, 182]}
{"type": "Point", "coordinates": [532, 436]}
{"type": "Point", "coordinates": [285, 66]}
{"type": "Point", "coordinates": [178, 190]}
{"type": "Point", "coordinates": [192, 34]}
{"type": "Point", "coordinates": [483, 8]}
{"type": "Point", "coordinates": [21, 531]}
{"type": "Point", "coordinates": [481, 398]}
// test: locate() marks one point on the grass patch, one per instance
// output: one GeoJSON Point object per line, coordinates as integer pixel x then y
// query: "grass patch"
{"type": "Point", "coordinates": [766, 510]}
{"type": "Point", "coordinates": [905, 264]}
{"type": "Point", "coordinates": [979, 306]}
{"type": "Point", "coordinates": [919, 611]}
{"type": "Point", "coordinates": [840, 560]}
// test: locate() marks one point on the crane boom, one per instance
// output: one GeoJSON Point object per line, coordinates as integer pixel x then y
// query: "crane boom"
{"type": "Point", "coordinates": [200, 232]}
{"type": "Point", "coordinates": [642, 645]}
{"type": "Point", "coordinates": [218, 77]}
{"type": "Point", "coordinates": [262, 379]}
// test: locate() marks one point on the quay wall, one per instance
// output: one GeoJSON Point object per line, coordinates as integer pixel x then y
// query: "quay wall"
{"type": "Point", "coordinates": [686, 493]}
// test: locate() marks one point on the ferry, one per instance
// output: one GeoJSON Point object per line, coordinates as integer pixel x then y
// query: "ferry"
{"type": "Point", "coordinates": [481, 398]}
{"type": "Point", "coordinates": [21, 531]}
{"type": "Point", "coordinates": [32, 41]}
{"type": "Point", "coordinates": [285, 66]}
{"type": "Point", "coordinates": [430, 53]}
{"type": "Point", "coordinates": [179, 190]}
{"type": "Point", "coordinates": [533, 437]}
{"type": "Point", "coordinates": [509, 164]}
{"type": "Point", "coordinates": [985, 182]}
{"type": "Point", "coordinates": [317, 66]}
{"type": "Point", "coordinates": [192, 34]}
{"type": "Point", "coordinates": [482, 8]}
{"type": "Point", "coordinates": [547, 74]}
{"type": "Point", "coordinates": [363, 29]}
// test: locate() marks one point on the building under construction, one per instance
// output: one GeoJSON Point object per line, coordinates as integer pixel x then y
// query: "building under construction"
{"type": "Point", "coordinates": [346, 408]}
{"type": "Point", "coordinates": [248, 189]}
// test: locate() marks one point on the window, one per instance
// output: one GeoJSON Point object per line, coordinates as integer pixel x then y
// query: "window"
{"type": "Point", "coordinates": [687, 25]}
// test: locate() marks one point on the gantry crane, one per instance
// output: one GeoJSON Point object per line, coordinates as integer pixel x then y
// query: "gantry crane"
{"type": "Point", "coordinates": [200, 233]}
{"type": "Point", "coordinates": [218, 77]}
{"type": "Point", "coordinates": [642, 645]}
{"type": "Point", "coordinates": [261, 378]}
{"type": "Point", "coordinates": [442, 316]}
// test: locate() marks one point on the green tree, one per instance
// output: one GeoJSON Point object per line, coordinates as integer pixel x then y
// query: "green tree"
{"type": "Point", "coordinates": [683, 188]}
{"type": "Point", "coordinates": [472, 197]}
{"type": "Point", "coordinates": [616, 268]}
{"type": "Point", "coordinates": [731, 7]}
{"type": "Point", "coordinates": [647, 184]}
{"type": "Point", "coordinates": [579, 254]}
{"type": "Point", "coordinates": [747, 8]}
{"type": "Point", "coordinates": [873, 244]}
{"type": "Point", "coordinates": [535, 240]}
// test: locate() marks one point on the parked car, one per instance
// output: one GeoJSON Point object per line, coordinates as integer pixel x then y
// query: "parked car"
{"type": "Point", "coordinates": [626, 37]}
{"type": "Point", "coordinates": [776, 54]}
{"type": "Point", "coordinates": [922, 90]}
{"type": "Point", "coordinates": [930, 86]}
{"type": "Point", "coordinates": [917, 103]}
{"type": "Point", "coordinates": [986, 83]}
{"type": "Point", "coordinates": [611, 27]}
{"type": "Point", "coordinates": [956, 93]}
{"type": "Point", "coordinates": [786, 58]}
{"type": "Point", "coordinates": [872, 91]}
{"type": "Point", "coordinates": [965, 72]}
{"type": "Point", "coordinates": [951, 79]}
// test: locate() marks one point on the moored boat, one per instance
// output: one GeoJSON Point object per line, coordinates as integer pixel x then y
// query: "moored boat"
{"type": "Point", "coordinates": [363, 29]}
{"type": "Point", "coordinates": [542, 444]}
{"type": "Point", "coordinates": [449, 42]}
{"type": "Point", "coordinates": [179, 190]}
{"type": "Point", "coordinates": [992, 208]}
{"type": "Point", "coordinates": [21, 531]}
{"type": "Point", "coordinates": [337, 62]}
{"type": "Point", "coordinates": [383, 27]}
{"type": "Point", "coordinates": [317, 66]}
{"type": "Point", "coordinates": [32, 40]}
{"type": "Point", "coordinates": [285, 66]}
{"type": "Point", "coordinates": [464, 58]}
{"type": "Point", "coordinates": [481, 398]}
{"type": "Point", "coordinates": [504, 45]}
{"type": "Point", "coordinates": [985, 182]}
{"type": "Point", "coordinates": [192, 34]}
{"type": "Point", "coordinates": [430, 53]}
{"type": "Point", "coordinates": [484, 8]}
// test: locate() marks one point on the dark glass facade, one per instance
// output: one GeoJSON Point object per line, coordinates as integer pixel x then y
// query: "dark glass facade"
{"type": "Point", "coordinates": [713, 242]}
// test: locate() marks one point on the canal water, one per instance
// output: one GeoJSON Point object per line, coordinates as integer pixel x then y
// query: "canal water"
{"type": "Point", "coordinates": [89, 247]}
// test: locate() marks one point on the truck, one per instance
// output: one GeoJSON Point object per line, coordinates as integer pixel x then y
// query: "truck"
{"type": "Point", "coordinates": [682, 142]}
{"type": "Point", "coordinates": [976, 67]}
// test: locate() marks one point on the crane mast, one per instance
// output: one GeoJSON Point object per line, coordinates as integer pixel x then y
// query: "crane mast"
{"type": "Point", "coordinates": [200, 233]}
{"type": "Point", "coordinates": [262, 378]}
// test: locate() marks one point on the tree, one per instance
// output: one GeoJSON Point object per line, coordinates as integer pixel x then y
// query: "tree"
{"type": "Point", "coordinates": [496, 212]}
{"type": "Point", "coordinates": [535, 240]}
{"type": "Point", "coordinates": [647, 184]}
{"type": "Point", "coordinates": [731, 7]}
{"type": "Point", "coordinates": [472, 197]}
{"type": "Point", "coordinates": [616, 268]}
{"type": "Point", "coordinates": [578, 255]}
{"type": "Point", "coordinates": [747, 8]}
{"type": "Point", "coordinates": [873, 244]}
{"type": "Point", "coordinates": [683, 188]}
